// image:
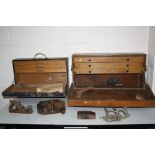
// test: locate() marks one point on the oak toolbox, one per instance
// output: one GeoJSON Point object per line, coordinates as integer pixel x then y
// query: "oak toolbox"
{"type": "Point", "coordinates": [110, 80]}
{"type": "Point", "coordinates": [39, 77]}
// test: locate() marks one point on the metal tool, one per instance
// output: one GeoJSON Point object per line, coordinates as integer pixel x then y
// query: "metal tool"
{"type": "Point", "coordinates": [115, 114]}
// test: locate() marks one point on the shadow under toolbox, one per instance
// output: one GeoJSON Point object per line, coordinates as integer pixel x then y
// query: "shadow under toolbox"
{"type": "Point", "coordinates": [39, 77]}
{"type": "Point", "coordinates": [110, 80]}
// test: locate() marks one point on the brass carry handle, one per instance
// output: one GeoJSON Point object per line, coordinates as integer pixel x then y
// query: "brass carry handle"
{"type": "Point", "coordinates": [35, 56]}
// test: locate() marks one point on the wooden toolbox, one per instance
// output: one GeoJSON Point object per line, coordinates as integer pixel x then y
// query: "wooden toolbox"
{"type": "Point", "coordinates": [110, 80]}
{"type": "Point", "coordinates": [39, 77]}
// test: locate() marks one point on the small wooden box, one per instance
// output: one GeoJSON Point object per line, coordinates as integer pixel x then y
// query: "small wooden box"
{"type": "Point", "coordinates": [39, 78]}
{"type": "Point", "coordinates": [112, 80]}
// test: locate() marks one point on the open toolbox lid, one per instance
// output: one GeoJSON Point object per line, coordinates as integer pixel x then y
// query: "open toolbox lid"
{"type": "Point", "coordinates": [39, 77]}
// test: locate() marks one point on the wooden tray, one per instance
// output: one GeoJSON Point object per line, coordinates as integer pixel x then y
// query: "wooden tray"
{"type": "Point", "coordinates": [112, 97]}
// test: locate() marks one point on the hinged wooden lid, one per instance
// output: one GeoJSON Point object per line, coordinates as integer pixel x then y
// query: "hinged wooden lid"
{"type": "Point", "coordinates": [41, 71]}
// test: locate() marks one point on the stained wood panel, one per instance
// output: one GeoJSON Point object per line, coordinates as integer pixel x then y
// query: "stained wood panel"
{"type": "Point", "coordinates": [100, 80]}
{"type": "Point", "coordinates": [138, 59]}
{"type": "Point", "coordinates": [112, 97]}
{"type": "Point", "coordinates": [41, 78]}
{"type": "Point", "coordinates": [109, 70]}
{"type": "Point", "coordinates": [111, 103]}
{"type": "Point", "coordinates": [108, 65]}
{"type": "Point", "coordinates": [40, 71]}
{"type": "Point", "coordinates": [60, 63]}
{"type": "Point", "coordinates": [40, 66]}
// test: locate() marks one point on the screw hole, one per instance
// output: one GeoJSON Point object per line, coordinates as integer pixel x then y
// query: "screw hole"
{"type": "Point", "coordinates": [127, 59]}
